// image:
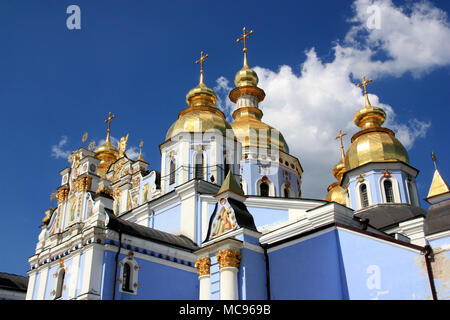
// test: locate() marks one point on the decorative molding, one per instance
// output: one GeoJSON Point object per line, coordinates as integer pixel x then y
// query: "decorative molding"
{"type": "Point", "coordinates": [203, 266]}
{"type": "Point", "coordinates": [228, 258]}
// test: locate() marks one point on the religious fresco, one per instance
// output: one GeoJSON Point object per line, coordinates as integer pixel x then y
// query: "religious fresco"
{"type": "Point", "coordinates": [225, 220]}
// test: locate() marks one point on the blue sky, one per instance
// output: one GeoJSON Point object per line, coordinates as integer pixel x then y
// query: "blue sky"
{"type": "Point", "coordinates": [136, 59]}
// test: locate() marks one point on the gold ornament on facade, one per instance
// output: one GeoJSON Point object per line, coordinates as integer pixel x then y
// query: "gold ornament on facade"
{"type": "Point", "coordinates": [122, 145]}
{"type": "Point", "coordinates": [103, 189]}
{"type": "Point", "coordinates": [83, 183]}
{"type": "Point", "coordinates": [62, 194]}
{"type": "Point", "coordinates": [203, 266]}
{"type": "Point", "coordinates": [228, 258]}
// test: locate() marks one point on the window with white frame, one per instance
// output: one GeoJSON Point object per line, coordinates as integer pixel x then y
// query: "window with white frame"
{"type": "Point", "coordinates": [129, 275]}
{"type": "Point", "coordinates": [171, 172]}
{"type": "Point", "coordinates": [363, 194]}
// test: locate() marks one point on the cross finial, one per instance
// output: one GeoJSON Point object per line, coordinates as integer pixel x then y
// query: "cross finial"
{"type": "Point", "coordinates": [202, 58]}
{"type": "Point", "coordinates": [433, 157]}
{"type": "Point", "coordinates": [110, 117]}
{"type": "Point", "coordinates": [364, 84]}
{"type": "Point", "coordinates": [340, 136]}
{"type": "Point", "coordinates": [244, 37]}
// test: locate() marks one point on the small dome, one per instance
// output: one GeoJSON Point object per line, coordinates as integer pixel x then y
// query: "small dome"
{"type": "Point", "coordinates": [247, 127]}
{"type": "Point", "coordinates": [199, 119]}
{"type": "Point", "coordinates": [246, 77]}
{"type": "Point", "coordinates": [339, 169]}
{"type": "Point", "coordinates": [336, 194]}
{"type": "Point", "coordinates": [374, 145]}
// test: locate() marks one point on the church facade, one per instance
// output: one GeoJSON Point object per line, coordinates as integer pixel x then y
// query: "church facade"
{"type": "Point", "coordinates": [224, 218]}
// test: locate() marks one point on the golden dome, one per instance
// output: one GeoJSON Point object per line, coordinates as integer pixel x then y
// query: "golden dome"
{"type": "Point", "coordinates": [339, 169]}
{"type": "Point", "coordinates": [336, 194]}
{"type": "Point", "coordinates": [107, 153]}
{"type": "Point", "coordinates": [247, 127]}
{"type": "Point", "coordinates": [246, 77]}
{"type": "Point", "coordinates": [373, 143]}
{"type": "Point", "coordinates": [201, 115]}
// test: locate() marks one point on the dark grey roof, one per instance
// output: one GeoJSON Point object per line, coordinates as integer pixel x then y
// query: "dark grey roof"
{"type": "Point", "coordinates": [386, 215]}
{"type": "Point", "coordinates": [143, 232]}
{"type": "Point", "coordinates": [15, 282]}
{"type": "Point", "coordinates": [438, 218]}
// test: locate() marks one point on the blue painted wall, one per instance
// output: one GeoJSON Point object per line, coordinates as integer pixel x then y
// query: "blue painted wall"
{"type": "Point", "coordinates": [252, 282]}
{"type": "Point", "coordinates": [157, 281]}
{"type": "Point", "coordinates": [380, 270]}
{"type": "Point", "coordinates": [310, 269]}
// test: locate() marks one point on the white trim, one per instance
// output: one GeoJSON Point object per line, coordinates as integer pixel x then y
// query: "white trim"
{"type": "Point", "coordinates": [271, 187]}
{"type": "Point", "coordinates": [394, 244]}
{"type": "Point", "coordinates": [301, 239]}
{"type": "Point", "coordinates": [358, 193]}
{"type": "Point", "coordinates": [439, 235]}
{"type": "Point", "coordinates": [134, 271]}
{"type": "Point", "coordinates": [414, 200]}
{"type": "Point", "coordinates": [395, 189]}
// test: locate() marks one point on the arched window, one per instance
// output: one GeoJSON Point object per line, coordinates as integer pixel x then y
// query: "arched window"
{"type": "Point", "coordinates": [60, 284]}
{"type": "Point", "coordinates": [286, 192]}
{"type": "Point", "coordinates": [171, 172]}
{"type": "Point", "coordinates": [363, 195]}
{"type": "Point", "coordinates": [199, 165]}
{"type": "Point", "coordinates": [264, 189]}
{"type": "Point", "coordinates": [388, 190]}
{"type": "Point", "coordinates": [126, 277]}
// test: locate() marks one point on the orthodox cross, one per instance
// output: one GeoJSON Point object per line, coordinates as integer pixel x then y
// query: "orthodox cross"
{"type": "Point", "coordinates": [110, 117]}
{"type": "Point", "coordinates": [364, 84]}
{"type": "Point", "coordinates": [202, 58]}
{"type": "Point", "coordinates": [244, 37]}
{"type": "Point", "coordinates": [341, 134]}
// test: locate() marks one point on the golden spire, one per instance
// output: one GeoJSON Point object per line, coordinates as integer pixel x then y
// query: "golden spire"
{"type": "Point", "coordinates": [438, 185]}
{"type": "Point", "coordinates": [244, 37]}
{"type": "Point", "coordinates": [364, 84]}
{"type": "Point", "coordinates": [340, 136]}
{"type": "Point", "coordinates": [110, 117]}
{"type": "Point", "coordinates": [141, 144]}
{"type": "Point", "coordinates": [202, 58]}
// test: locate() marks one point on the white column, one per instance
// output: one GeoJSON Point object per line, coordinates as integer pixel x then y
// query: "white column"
{"type": "Point", "coordinates": [229, 283]}
{"type": "Point", "coordinates": [31, 284]}
{"type": "Point", "coordinates": [205, 287]}
{"type": "Point", "coordinates": [42, 284]}
{"type": "Point", "coordinates": [74, 277]}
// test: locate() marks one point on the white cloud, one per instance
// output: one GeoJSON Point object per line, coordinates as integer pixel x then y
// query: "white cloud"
{"type": "Point", "coordinates": [57, 150]}
{"type": "Point", "coordinates": [310, 104]}
{"type": "Point", "coordinates": [223, 103]}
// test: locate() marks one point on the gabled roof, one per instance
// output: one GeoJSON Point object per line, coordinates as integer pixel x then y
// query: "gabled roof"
{"type": "Point", "coordinates": [438, 185]}
{"type": "Point", "coordinates": [139, 231]}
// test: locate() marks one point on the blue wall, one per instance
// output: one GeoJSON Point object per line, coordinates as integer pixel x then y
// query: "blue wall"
{"type": "Point", "coordinates": [157, 281]}
{"type": "Point", "coordinates": [311, 269]}
{"type": "Point", "coordinates": [252, 276]}
{"type": "Point", "coordinates": [380, 270]}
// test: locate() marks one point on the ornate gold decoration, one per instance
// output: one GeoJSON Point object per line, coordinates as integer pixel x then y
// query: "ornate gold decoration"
{"type": "Point", "coordinates": [84, 138]}
{"type": "Point", "coordinates": [386, 173]}
{"type": "Point", "coordinates": [103, 189]}
{"type": "Point", "coordinates": [228, 258]}
{"type": "Point", "coordinates": [141, 144]}
{"type": "Point", "coordinates": [122, 145]}
{"type": "Point", "coordinates": [61, 263]}
{"type": "Point", "coordinates": [361, 177]}
{"type": "Point", "coordinates": [91, 145]}
{"type": "Point", "coordinates": [83, 183]}
{"type": "Point", "coordinates": [62, 194]}
{"type": "Point", "coordinates": [203, 266]}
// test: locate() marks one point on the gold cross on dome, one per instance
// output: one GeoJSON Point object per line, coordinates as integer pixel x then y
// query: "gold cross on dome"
{"type": "Point", "coordinates": [244, 37]}
{"type": "Point", "coordinates": [364, 84]}
{"type": "Point", "coordinates": [341, 134]}
{"type": "Point", "coordinates": [202, 58]}
{"type": "Point", "coordinates": [110, 117]}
